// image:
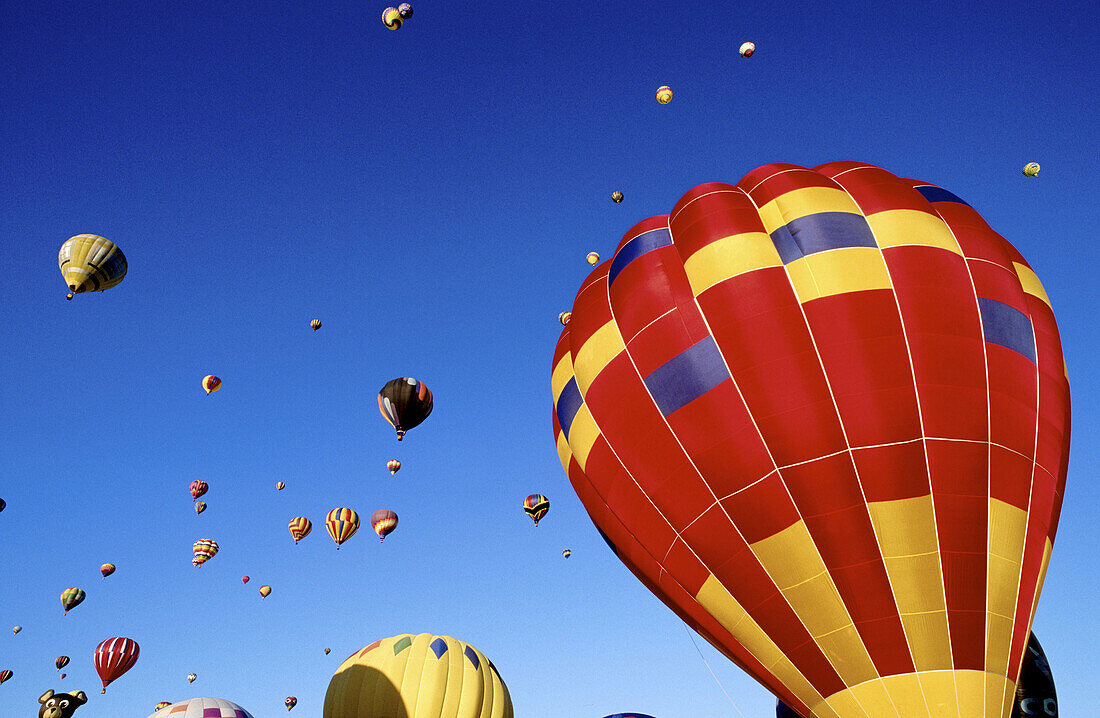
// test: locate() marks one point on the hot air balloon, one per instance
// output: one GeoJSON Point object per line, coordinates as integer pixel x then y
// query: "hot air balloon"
{"type": "Point", "coordinates": [1031, 169]}
{"type": "Point", "coordinates": [617, 197]}
{"type": "Point", "coordinates": [747, 49]}
{"type": "Point", "coordinates": [114, 657]}
{"type": "Point", "coordinates": [342, 525]}
{"type": "Point", "coordinates": [837, 509]}
{"type": "Point", "coordinates": [664, 94]}
{"type": "Point", "coordinates": [204, 550]}
{"type": "Point", "coordinates": [383, 521]}
{"type": "Point", "coordinates": [5, 675]}
{"type": "Point", "coordinates": [265, 591]}
{"type": "Point", "coordinates": [394, 466]}
{"type": "Point", "coordinates": [211, 384]}
{"type": "Point", "coordinates": [107, 569]}
{"type": "Point", "coordinates": [279, 486]}
{"type": "Point", "coordinates": [245, 579]}
{"type": "Point", "coordinates": [405, 10]}
{"type": "Point", "coordinates": [162, 704]}
{"type": "Point", "coordinates": [61, 662]}
{"type": "Point", "coordinates": [3, 504]}
{"type": "Point", "coordinates": [200, 507]}
{"type": "Point", "coordinates": [566, 553]}
{"type": "Point", "coordinates": [859, 523]}
{"type": "Point", "coordinates": [564, 318]}
{"type": "Point", "coordinates": [394, 674]}
{"type": "Point", "coordinates": [290, 702]}
{"type": "Point", "coordinates": [90, 263]}
{"type": "Point", "coordinates": [300, 527]}
{"type": "Point", "coordinates": [192, 677]}
{"type": "Point", "coordinates": [202, 708]}
{"type": "Point", "coordinates": [536, 506]}
{"type": "Point", "coordinates": [1035, 694]}
{"type": "Point", "coordinates": [71, 598]}
{"type": "Point", "coordinates": [315, 324]}
{"type": "Point", "coordinates": [391, 18]}
{"type": "Point", "coordinates": [62, 676]}
{"type": "Point", "coordinates": [16, 629]}
{"type": "Point", "coordinates": [198, 488]}
{"type": "Point", "coordinates": [405, 402]}
{"type": "Point", "coordinates": [327, 650]}
{"type": "Point", "coordinates": [593, 258]}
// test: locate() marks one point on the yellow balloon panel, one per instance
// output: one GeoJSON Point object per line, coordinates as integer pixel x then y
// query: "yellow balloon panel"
{"type": "Point", "coordinates": [90, 263]}
{"type": "Point", "coordinates": [423, 676]}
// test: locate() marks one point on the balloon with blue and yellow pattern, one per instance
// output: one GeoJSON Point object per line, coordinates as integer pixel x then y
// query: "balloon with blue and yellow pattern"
{"type": "Point", "coordinates": [824, 415]}
{"type": "Point", "coordinates": [536, 506]}
{"type": "Point", "coordinates": [421, 676]}
{"type": "Point", "coordinates": [342, 524]}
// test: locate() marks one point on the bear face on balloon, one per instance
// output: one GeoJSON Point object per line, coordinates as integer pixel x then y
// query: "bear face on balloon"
{"type": "Point", "coordinates": [60, 705]}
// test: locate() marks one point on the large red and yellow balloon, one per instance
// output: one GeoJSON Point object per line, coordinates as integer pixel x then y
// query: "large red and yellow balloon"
{"type": "Point", "coordinates": [824, 416]}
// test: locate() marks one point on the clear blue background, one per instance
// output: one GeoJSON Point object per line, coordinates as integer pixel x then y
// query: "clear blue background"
{"type": "Point", "coordinates": [430, 195]}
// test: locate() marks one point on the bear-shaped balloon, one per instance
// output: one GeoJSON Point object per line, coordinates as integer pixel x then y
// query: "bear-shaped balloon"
{"type": "Point", "coordinates": [61, 705]}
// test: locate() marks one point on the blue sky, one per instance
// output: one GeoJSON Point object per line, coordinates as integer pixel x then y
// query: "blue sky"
{"type": "Point", "coordinates": [430, 195]}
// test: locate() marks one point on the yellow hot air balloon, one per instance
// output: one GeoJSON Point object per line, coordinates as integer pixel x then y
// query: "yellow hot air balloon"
{"type": "Point", "coordinates": [265, 591]}
{"type": "Point", "coordinates": [1031, 169]}
{"type": "Point", "coordinates": [90, 263]}
{"type": "Point", "coordinates": [425, 676]}
{"type": "Point", "coordinates": [664, 94]}
{"type": "Point", "coordinates": [300, 527]}
{"type": "Point", "coordinates": [391, 18]}
{"type": "Point", "coordinates": [593, 258]}
{"type": "Point", "coordinates": [342, 524]}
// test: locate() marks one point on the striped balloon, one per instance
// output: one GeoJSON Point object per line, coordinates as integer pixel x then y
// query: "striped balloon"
{"type": "Point", "coordinates": [114, 657]}
{"type": "Point", "coordinates": [300, 527]}
{"type": "Point", "coordinates": [211, 384]}
{"type": "Point", "coordinates": [107, 569]}
{"type": "Point", "coordinates": [536, 506]}
{"type": "Point", "coordinates": [204, 550]}
{"type": "Point", "coordinates": [383, 521]}
{"type": "Point", "coordinates": [71, 598]}
{"type": "Point", "coordinates": [198, 488]}
{"type": "Point", "coordinates": [342, 525]}
{"type": "Point", "coordinates": [200, 507]}
{"type": "Point", "coordinates": [61, 662]}
{"type": "Point", "coordinates": [90, 263]}
{"type": "Point", "coordinates": [823, 414]}
{"type": "Point", "coordinates": [5, 675]}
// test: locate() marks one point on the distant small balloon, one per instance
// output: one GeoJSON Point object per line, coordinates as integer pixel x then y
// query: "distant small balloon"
{"type": "Point", "coordinates": [16, 629]}
{"type": "Point", "coordinates": [593, 258]}
{"type": "Point", "coordinates": [566, 553]}
{"type": "Point", "coordinates": [5, 675]}
{"type": "Point", "coordinates": [162, 704]}
{"type": "Point", "coordinates": [327, 651]}
{"type": "Point", "coordinates": [265, 591]}
{"type": "Point", "coordinates": [211, 384]}
{"type": "Point", "coordinates": [391, 18]}
{"type": "Point", "coordinates": [71, 598]}
{"type": "Point", "coordinates": [315, 324]}
{"type": "Point", "coordinates": [405, 10]}
{"type": "Point", "coordinates": [198, 488]}
{"type": "Point", "coordinates": [664, 94]}
{"type": "Point", "coordinates": [107, 569]}
{"type": "Point", "coordinates": [747, 49]}
{"type": "Point", "coordinates": [383, 521]}
{"type": "Point", "coordinates": [299, 528]}
{"type": "Point", "coordinates": [290, 702]}
{"type": "Point", "coordinates": [564, 317]}
{"type": "Point", "coordinates": [191, 677]}
{"type": "Point", "coordinates": [617, 197]}
{"type": "Point", "coordinates": [63, 675]}
{"type": "Point", "coordinates": [536, 506]}
{"type": "Point", "coordinates": [204, 550]}
{"type": "Point", "coordinates": [394, 466]}
{"type": "Point", "coordinates": [200, 507]}
{"type": "Point", "coordinates": [280, 486]}
{"type": "Point", "coordinates": [1031, 169]}
{"type": "Point", "coordinates": [61, 662]}
{"type": "Point", "coordinates": [245, 579]}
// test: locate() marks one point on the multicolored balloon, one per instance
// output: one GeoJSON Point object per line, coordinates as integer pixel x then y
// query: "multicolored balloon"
{"type": "Point", "coordinates": [5, 675]}
{"type": "Point", "coordinates": [383, 521]}
{"type": "Point", "coordinates": [113, 657]}
{"type": "Point", "coordinates": [327, 650]}
{"type": "Point", "coordinates": [1031, 169]}
{"type": "Point", "coordinates": [162, 704]}
{"type": "Point", "coordinates": [664, 94]}
{"type": "Point", "coordinates": [265, 591]}
{"type": "Point", "coordinates": [204, 550]}
{"type": "Point", "coordinates": [211, 384]}
{"type": "Point", "coordinates": [279, 486]}
{"type": "Point", "coordinates": [536, 506]}
{"type": "Point", "coordinates": [566, 553]}
{"type": "Point", "coordinates": [391, 18]}
{"type": "Point", "coordinates": [192, 677]}
{"type": "Point", "coordinates": [290, 702]}
{"type": "Point", "coordinates": [200, 507]}
{"type": "Point", "coordinates": [61, 662]}
{"type": "Point", "coordinates": [198, 488]}
{"type": "Point", "coordinates": [394, 466]}
{"type": "Point", "coordinates": [202, 708]}
{"type": "Point", "coordinates": [107, 569]}
{"type": "Point", "coordinates": [747, 49]}
{"type": "Point", "coordinates": [405, 403]}
{"type": "Point", "coordinates": [71, 598]}
{"type": "Point", "coordinates": [299, 528]}
{"type": "Point", "coordinates": [405, 10]}
{"type": "Point", "coordinates": [394, 673]}
{"type": "Point", "coordinates": [593, 258]}
{"type": "Point", "coordinates": [840, 509]}
{"type": "Point", "coordinates": [564, 318]}
{"type": "Point", "coordinates": [617, 197]}
{"type": "Point", "coordinates": [16, 629]}
{"type": "Point", "coordinates": [315, 324]}
{"type": "Point", "coordinates": [342, 525]}
{"type": "Point", "coordinates": [90, 263]}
